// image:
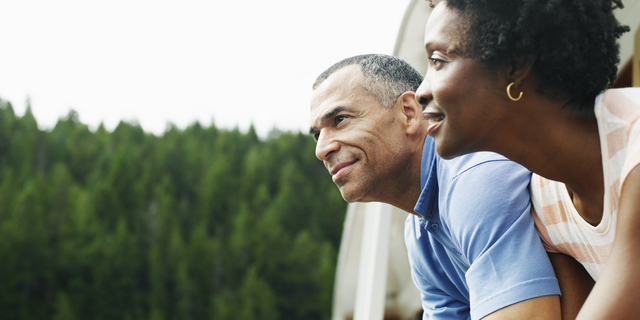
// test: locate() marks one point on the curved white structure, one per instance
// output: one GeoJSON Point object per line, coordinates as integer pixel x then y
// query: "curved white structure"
{"type": "Point", "coordinates": [373, 278]}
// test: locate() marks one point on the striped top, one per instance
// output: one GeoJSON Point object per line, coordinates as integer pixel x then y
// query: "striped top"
{"type": "Point", "coordinates": [559, 224]}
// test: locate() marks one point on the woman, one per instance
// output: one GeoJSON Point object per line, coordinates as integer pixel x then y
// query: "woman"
{"type": "Point", "coordinates": [527, 79]}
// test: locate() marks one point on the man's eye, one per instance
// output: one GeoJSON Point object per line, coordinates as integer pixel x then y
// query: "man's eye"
{"type": "Point", "coordinates": [316, 136]}
{"type": "Point", "coordinates": [339, 119]}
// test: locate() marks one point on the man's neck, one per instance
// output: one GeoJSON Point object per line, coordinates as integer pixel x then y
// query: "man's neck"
{"type": "Point", "coordinates": [410, 189]}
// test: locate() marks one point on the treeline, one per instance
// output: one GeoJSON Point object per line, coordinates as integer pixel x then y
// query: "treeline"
{"type": "Point", "coordinates": [200, 223]}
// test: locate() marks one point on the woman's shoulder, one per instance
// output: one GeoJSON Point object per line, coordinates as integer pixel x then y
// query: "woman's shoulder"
{"type": "Point", "coordinates": [618, 117]}
{"type": "Point", "coordinates": [620, 98]}
{"type": "Point", "coordinates": [620, 107]}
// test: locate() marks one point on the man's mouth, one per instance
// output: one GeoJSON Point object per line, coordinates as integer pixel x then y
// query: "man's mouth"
{"type": "Point", "coordinates": [339, 170]}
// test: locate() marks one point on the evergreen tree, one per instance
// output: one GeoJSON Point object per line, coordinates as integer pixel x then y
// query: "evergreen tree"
{"type": "Point", "coordinates": [201, 223]}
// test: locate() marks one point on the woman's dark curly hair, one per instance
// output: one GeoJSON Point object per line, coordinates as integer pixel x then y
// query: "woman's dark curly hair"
{"type": "Point", "coordinates": [575, 41]}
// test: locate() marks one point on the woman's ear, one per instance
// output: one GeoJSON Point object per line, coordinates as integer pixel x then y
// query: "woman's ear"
{"type": "Point", "coordinates": [519, 68]}
{"type": "Point", "coordinates": [412, 111]}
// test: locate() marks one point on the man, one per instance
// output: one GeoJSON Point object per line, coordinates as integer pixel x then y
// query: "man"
{"type": "Point", "coordinates": [472, 246]}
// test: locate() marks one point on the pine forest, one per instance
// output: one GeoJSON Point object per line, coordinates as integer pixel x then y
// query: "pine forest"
{"type": "Point", "coordinates": [198, 223]}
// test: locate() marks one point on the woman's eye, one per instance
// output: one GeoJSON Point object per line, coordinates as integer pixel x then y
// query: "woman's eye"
{"type": "Point", "coordinates": [437, 59]}
{"type": "Point", "coordinates": [436, 62]}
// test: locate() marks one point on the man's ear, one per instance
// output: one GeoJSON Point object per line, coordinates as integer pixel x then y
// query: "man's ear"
{"type": "Point", "coordinates": [519, 67]}
{"type": "Point", "coordinates": [412, 111]}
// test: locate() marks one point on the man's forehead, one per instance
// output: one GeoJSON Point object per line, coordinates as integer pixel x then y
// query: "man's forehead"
{"type": "Point", "coordinates": [343, 82]}
{"type": "Point", "coordinates": [339, 91]}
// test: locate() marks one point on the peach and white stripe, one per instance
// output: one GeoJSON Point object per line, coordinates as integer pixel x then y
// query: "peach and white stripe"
{"type": "Point", "coordinates": [559, 224]}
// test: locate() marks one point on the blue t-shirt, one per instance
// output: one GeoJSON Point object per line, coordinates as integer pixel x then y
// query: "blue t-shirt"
{"type": "Point", "coordinates": [475, 250]}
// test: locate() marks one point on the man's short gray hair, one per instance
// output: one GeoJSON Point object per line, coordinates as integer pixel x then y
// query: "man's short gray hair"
{"type": "Point", "coordinates": [385, 77]}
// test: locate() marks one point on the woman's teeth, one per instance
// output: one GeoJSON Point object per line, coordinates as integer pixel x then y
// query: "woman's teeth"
{"type": "Point", "coordinates": [434, 119]}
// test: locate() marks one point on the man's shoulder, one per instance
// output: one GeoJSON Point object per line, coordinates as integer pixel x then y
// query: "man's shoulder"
{"type": "Point", "coordinates": [474, 163]}
{"type": "Point", "coordinates": [477, 185]}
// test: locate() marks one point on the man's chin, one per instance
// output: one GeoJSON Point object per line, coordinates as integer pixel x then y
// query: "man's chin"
{"type": "Point", "coordinates": [351, 196]}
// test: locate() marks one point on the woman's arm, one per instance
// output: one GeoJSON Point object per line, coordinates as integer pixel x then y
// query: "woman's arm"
{"type": "Point", "coordinates": [540, 308]}
{"type": "Point", "coordinates": [616, 295]}
{"type": "Point", "coordinates": [575, 283]}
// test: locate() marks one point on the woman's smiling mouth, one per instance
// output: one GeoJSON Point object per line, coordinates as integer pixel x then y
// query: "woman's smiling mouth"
{"type": "Point", "coordinates": [433, 119]}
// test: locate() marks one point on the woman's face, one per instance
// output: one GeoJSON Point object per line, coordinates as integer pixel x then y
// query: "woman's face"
{"type": "Point", "coordinates": [461, 95]}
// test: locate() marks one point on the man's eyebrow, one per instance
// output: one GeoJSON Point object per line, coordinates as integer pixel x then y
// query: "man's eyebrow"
{"type": "Point", "coordinates": [326, 116]}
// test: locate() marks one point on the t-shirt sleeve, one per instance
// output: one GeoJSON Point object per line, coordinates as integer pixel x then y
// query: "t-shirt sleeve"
{"type": "Point", "coordinates": [490, 221]}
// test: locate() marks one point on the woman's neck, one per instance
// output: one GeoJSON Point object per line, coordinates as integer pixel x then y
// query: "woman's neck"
{"type": "Point", "coordinates": [558, 143]}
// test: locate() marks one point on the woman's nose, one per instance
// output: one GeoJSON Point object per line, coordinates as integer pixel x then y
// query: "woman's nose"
{"type": "Point", "coordinates": [423, 94]}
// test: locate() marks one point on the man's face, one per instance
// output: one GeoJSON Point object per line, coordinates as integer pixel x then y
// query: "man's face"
{"type": "Point", "coordinates": [359, 141]}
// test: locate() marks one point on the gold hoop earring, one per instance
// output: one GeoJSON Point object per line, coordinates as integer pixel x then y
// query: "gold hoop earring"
{"type": "Point", "coordinates": [509, 92]}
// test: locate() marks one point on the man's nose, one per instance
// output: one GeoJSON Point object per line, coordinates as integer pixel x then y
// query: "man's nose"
{"type": "Point", "coordinates": [325, 146]}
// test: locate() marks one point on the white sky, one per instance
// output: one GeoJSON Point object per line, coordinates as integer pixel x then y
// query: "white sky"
{"type": "Point", "coordinates": [155, 62]}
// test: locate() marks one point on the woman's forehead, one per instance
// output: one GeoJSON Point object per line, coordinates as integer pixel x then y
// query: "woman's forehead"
{"type": "Point", "coordinates": [441, 25]}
